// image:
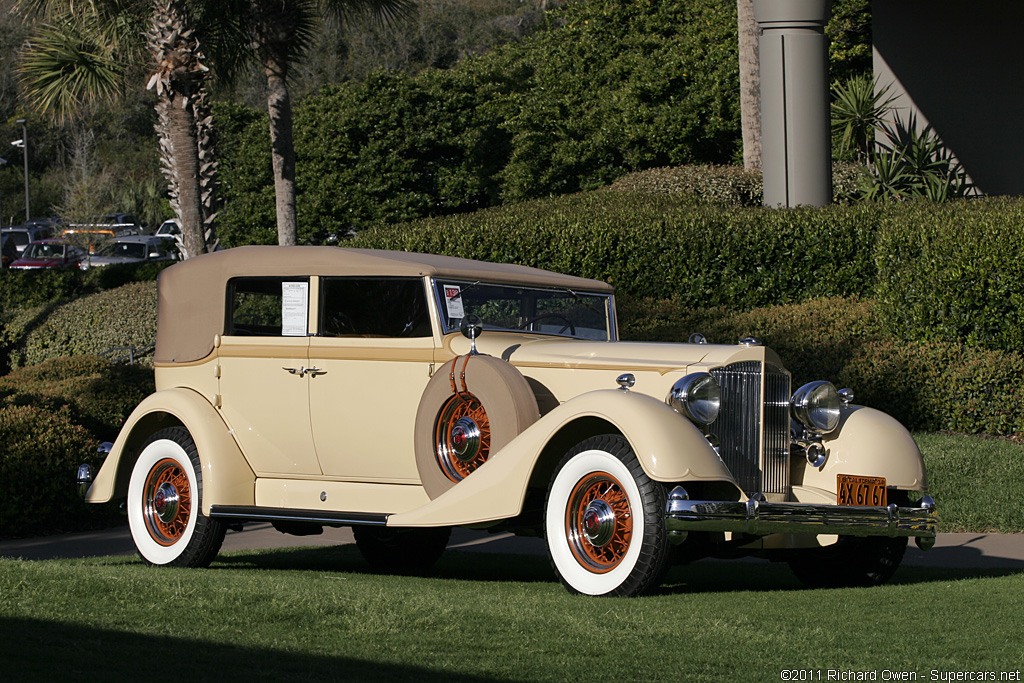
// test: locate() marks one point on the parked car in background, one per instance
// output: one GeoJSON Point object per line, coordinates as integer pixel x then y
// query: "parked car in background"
{"type": "Point", "coordinates": [23, 235]}
{"type": "Point", "coordinates": [51, 253]}
{"type": "Point", "coordinates": [170, 228]}
{"type": "Point", "coordinates": [133, 249]}
{"type": "Point", "coordinates": [8, 252]}
{"type": "Point", "coordinates": [404, 394]}
{"type": "Point", "coordinates": [93, 235]}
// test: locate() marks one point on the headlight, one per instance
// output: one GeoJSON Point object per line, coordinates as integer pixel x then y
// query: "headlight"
{"type": "Point", "coordinates": [697, 397]}
{"type": "Point", "coordinates": [816, 406]}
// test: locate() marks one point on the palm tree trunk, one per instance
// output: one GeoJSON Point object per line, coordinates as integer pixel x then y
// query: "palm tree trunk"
{"type": "Point", "coordinates": [750, 85]}
{"type": "Point", "coordinates": [183, 122]}
{"type": "Point", "coordinates": [282, 149]}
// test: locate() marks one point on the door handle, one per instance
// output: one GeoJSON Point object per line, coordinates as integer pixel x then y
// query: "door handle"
{"type": "Point", "coordinates": [312, 372]}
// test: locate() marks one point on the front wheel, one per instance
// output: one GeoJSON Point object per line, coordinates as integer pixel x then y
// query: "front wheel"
{"type": "Point", "coordinates": [604, 521]}
{"type": "Point", "coordinates": [165, 503]}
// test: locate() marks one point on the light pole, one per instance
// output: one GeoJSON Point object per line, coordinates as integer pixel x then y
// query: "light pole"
{"type": "Point", "coordinates": [24, 150]}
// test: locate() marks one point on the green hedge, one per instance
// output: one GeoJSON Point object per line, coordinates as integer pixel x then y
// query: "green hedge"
{"type": "Point", "coordinates": [663, 246]}
{"type": "Point", "coordinates": [95, 324]}
{"type": "Point", "coordinates": [954, 272]}
{"type": "Point", "coordinates": [52, 417]}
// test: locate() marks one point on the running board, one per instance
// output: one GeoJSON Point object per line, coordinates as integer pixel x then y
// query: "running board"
{"type": "Point", "coordinates": [256, 513]}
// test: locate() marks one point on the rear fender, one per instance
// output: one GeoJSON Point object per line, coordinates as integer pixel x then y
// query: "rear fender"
{"type": "Point", "coordinates": [669, 447]}
{"type": "Point", "coordinates": [227, 477]}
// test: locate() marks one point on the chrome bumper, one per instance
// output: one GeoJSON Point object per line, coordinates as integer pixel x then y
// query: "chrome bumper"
{"type": "Point", "coordinates": [760, 518]}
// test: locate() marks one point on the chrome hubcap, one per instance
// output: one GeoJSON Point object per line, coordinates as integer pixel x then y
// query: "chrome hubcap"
{"type": "Point", "coordinates": [165, 502]}
{"type": "Point", "coordinates": [598, 523]}
{"type": "Point", "coordinates": [465, 439]}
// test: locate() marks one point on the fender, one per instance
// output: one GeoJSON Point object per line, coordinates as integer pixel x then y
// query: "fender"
{"type": "Point", "coordinates": [669, 447]}
{"type": "Point", "coordinates": [867, 442]}
{"type": "Point", "coordinates": [227, 477]}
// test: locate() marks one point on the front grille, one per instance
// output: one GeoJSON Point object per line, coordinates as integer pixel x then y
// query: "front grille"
{"type": "Point", "coordinates": [753, 432]}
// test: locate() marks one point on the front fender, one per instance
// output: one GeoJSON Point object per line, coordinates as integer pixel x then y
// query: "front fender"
{"type": "Point", "coordinates": [867, 442]}
{"type": "Point", "coordinates": [227, 477]}
{"type": "Point", "coordinates": [668, 446]}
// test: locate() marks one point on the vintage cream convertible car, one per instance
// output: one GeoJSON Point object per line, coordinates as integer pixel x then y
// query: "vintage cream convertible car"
{"type": "Point", "coordinates": [403, 394]}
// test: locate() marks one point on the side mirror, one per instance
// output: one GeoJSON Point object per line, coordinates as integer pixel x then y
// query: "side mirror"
{"type": "Point", "coordinates": [471, 327]}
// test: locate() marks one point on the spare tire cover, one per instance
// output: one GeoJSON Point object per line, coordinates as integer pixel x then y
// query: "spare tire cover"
{"type": "Point", "coordinates": [471, 408]}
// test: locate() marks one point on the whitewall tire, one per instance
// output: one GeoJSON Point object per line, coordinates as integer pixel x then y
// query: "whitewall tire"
{"type": "Point", "coordinates": [165, 496]}
{"type": "Point", "coordinates": [604, 521]}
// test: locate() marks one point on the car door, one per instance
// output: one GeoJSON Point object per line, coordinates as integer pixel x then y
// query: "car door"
{"type": "Point", "coordinates": [371, 360]}
{"type": "Point", "coordinates": [263, 374]}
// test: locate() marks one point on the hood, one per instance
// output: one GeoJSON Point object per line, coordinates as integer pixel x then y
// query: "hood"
{"type": "Point", "coordinates": [111, 260]}
{"type": "Point", "coordinates": [546, 351]}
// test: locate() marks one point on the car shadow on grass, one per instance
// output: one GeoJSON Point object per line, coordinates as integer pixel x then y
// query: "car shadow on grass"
{"type": "Point", "coordinates": [705, 576]}
{"type": "Point", "coordinates": [40, 650]}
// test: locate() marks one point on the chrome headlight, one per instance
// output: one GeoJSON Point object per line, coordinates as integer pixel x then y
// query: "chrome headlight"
{"type": "Point", "coordinates": [696, 396]}
{"type": "Point", "coordinates": [816, 406]}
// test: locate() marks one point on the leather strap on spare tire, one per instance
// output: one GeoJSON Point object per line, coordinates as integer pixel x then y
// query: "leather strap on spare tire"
{"type": "Point", "coordinates": [472, 407]}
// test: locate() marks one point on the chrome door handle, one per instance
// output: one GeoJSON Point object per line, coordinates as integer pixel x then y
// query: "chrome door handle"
{"type": "Point", "coordinates": [314, 371]}
{"type": "Point", "coordinates": [293, 371]}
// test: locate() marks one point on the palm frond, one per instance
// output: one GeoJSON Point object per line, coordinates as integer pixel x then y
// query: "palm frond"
{"type": "Point", "coordinates": [63, 71]}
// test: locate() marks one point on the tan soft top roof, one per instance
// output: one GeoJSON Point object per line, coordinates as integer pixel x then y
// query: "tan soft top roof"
{"type": "Point", "coordinates": [192, 293]}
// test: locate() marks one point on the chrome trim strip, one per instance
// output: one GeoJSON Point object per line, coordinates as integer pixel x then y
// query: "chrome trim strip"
{"type": "Point", "coordinates": [265, 514]}
{"type": "Point", "coordinates": [760, 518]}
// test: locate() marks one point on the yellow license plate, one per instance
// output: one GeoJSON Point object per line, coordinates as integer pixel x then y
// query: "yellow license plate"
{"type": "Point", "coordinates": [861, 490]}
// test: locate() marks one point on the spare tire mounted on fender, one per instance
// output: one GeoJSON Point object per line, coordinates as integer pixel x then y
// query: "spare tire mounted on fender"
{"type": "Point", "coordinates": [472, 407]}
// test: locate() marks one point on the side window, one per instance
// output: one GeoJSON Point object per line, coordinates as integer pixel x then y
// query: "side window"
{"type": "Point", "coordinates": [374, 307]}
{"type": "Point", "coordinates": [267, 306]}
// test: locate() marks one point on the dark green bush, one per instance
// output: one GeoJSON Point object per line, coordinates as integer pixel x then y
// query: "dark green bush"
{"type": "Point", "coordinates": [28, 288]}
{"type": "Point", "coordinates": [660, 246]}
{"type": "Point", "coordinates": [95, 324]}
{"type": "Point", "coordinates": [954, 272]}
{"type": "Point", "coordinates": [98, 393]}
{"type": "Point", "coordinates": [39, 458]}
{"type": "Point", "coordinates": [52, 417]}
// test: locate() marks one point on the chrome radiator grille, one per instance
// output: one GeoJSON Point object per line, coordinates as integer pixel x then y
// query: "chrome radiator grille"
{"type": "Point", "coordinates": [753, 425]}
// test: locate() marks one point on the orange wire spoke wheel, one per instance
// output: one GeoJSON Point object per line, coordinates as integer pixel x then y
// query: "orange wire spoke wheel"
{"type": "Point", "coordinates": [598, 522]}
{"type": "Point", "coordinates": [166, 502]}
{"type": "Point", "coordinates": [462, 436]}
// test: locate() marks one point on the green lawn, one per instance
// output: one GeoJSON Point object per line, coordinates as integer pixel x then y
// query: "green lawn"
{"type": "Point", "coordinates": [316, 614]}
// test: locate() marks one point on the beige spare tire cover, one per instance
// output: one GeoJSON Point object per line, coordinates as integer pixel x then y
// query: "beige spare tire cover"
{"type": "Point", "coordinates": [472, 407]}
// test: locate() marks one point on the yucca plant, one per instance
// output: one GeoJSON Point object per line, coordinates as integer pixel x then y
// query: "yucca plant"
{"type": "Point", "coordinates": [859, 108]}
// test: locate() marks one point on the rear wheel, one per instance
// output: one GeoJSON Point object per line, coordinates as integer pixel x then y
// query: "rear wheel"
{"type": "Point", "coordinates": [165, 511]}
{"type": "Point", "coordinates": [401, 551]}
{"type": "Point", "coordinates": [605, 521]}
{"type": "Point", "coordinates": [850, 561]}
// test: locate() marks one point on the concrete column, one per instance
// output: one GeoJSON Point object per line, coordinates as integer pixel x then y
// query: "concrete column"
{"type": "Point", "coordinates": [795, 122]}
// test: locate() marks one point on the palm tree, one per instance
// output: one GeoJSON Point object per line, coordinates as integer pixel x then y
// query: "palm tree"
{"type": "Point", "coordinates": [750, 85]}
{"type": "Point", "coordinates": [280, 31]}
{"type": "Point", "coordinates": [85, 53]}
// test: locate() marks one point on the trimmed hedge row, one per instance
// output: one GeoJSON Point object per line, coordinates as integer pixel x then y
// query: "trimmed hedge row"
{"type": "Point", "coordinates": [940, 272]}
{"type": "Point", "coordinates": [52, 417]}
{"type": "Point", "coordinates": [663, 246]}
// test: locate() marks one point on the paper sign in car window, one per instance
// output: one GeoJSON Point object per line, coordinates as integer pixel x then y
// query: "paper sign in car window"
{"type": "Point", "coordinates": [453, 301]}
{"type": "Point", "coordinates": [294, 308]}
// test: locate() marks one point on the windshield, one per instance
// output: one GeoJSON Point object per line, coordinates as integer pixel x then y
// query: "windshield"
{"type": "Point", "coordinates": [506, 307]}
{"type": "Point", "coordinates": [126, 249]}
{"type": "Point", "coordinates": [44, 250]}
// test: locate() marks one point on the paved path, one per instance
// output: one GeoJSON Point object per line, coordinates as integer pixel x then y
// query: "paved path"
{"type": "Point", "coordinates": [960, 551]}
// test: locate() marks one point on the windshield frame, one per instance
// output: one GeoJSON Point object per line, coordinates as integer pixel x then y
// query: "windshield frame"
{"type": "Point", "coordinates": [602, 303]}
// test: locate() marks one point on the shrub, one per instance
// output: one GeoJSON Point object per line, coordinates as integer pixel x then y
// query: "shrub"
{"type": "Point", "coordinates": [98, 393]}
{"type": "Point", "coordinates": [122, 317]}
{"type": "Point", "coordinates": [952, 272]}
{"type": "Point", "coordinates": [660, 246]}
{"type": "Point", "coordinates": [39, 457]}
